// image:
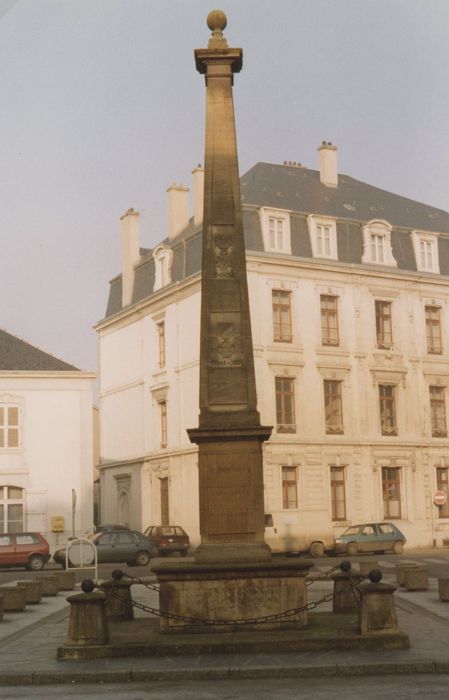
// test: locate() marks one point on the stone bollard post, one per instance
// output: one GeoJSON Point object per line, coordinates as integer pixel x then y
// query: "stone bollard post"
{"type": "Point", "coordinates": [119, 604]}
{"type": "Point", "coordinates": [400, 572]}
{"type": "Point", "coordinates": [377, 613]}
{"type": "Point", "coordinates": [33, 591]}
{"type": "Point", "coordinates": [443, 589]}
{"type": "Point", "coordinates": [13, 598]}
{"type": "Point", "coordinates": [416, 578]}
{"type": "Point", "coordinates": [88, 625]}
{"type": "Point", "coordinates": [66, 580]}
{"type": "Point", "coordinates": [367, 565]}
{"type": "Point", "coordinates": [50, 584]}
{"type": "Point", "coordinates": [345, 598]}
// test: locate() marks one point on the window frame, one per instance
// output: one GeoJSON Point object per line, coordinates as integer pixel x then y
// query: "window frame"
{"type": "Point", "coordinates": [287, 502]}
{"type": "Point", "coordinates": [326, 313]}
{"type": "Point", "coordinates": [275, 215]}
{"type": "Point", "coordinates": [382, 319]}
{"type": "Point", "coordinates": [388, 409]}
{"type": "Point", "coordinates": [314, 224]}
{"type": "Point", "coordinates": [387, 484]}
{"type": "Point", "coordinates": [6, 502]}
{"type": "Point", "coordinates": [333, 397]}
{"type": "Point", "coordinates": [163, 417]}
{"type": "Point", "coordinates": [160, 327]}
{"type": "Point", "coordinates": [431, 325]}
{"type": "Point", "coordinates": [335, 484]}
{"type": "Point", "coordinates": [421, 239]}
{"type": "Point", "coordinates": [375, 231]}
{"type": "Point", "coordinates": [438, 418]}
{"type": "Point", "coordinates": [282, 332]}
{"type": "Point", "coordinates": [282, 410]}
{"type": "Point", "coordinates": [442, 485]}
{"type": "Point", "coordinates": [7, 428]}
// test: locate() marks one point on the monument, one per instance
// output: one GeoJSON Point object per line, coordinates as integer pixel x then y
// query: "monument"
{"type": "Point", "coordinates": [233, 575]}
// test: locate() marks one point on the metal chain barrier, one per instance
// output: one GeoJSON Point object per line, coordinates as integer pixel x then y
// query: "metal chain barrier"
{"type": "Point", "coordinates": [88, 585]}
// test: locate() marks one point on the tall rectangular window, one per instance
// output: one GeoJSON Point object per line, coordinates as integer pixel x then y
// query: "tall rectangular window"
{"type": "Point", "coordinates": [333, 409]}
{"type": "Point", "coordinates": [391, 492]}
{"type": "Point", "coordinates": [329, 319]}
{"type": "Point", "coordinates": [161, 343]}
{"type": "Point", "coordinates": [377, 248]}
{"type": "Point", "coordinates": [163, 414]}
{"type": "Point", "coordinates": [438, 411]}
{"type": "Point", "coordinates": [443, 485]}
{"type": "Point", "coordinates": [9, 426]}
{"type": "Point", "coordinates": [282, 319]}
{"type": "Point", "coordinates": [289, 487]}
{"type": "Point", "coordinates": [387, 409]}
{"type": "Point", "coordinates": [433, 330]}
{"type": "Point", "coordinates": [285, 405]}
{"type": "Point", "coordinates": [383, 324]}
{"type": "Point", "coordinates": [338, 494]}
{"type": "Point", "coordinates": [426, 254]}
{"type": "Point", "coordinates": [276, 233]}
{"type": "Point", "coordinates": [323, 240]}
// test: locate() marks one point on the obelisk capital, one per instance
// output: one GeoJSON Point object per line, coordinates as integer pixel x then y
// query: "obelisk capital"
{"type": "Point", "coordinates": [218, 52]}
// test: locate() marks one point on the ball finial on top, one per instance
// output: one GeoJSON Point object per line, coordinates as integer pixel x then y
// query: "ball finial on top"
{"type": "Point", "coordinates": [216, 20]}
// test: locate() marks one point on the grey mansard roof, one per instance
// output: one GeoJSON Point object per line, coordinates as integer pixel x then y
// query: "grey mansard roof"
{"type": "Point", "coordinates": [299, 190]}
{"type": "Point", "coordinates": [18, 355]}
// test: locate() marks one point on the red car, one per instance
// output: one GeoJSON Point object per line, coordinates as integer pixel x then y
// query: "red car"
{"type": "Point", "coordinates": [168, 538]}
{"type": "Point", "coordinates": [28, 549]}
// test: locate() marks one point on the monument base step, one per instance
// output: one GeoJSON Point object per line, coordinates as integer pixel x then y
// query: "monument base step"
{"type": "Point", "coordinates": [325, 632]}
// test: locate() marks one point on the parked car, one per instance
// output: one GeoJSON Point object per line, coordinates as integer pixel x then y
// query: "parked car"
{"type": "Point", "coordinates": [28, 549]}
{"type": "Point", "coordinates": [107, 528]}
{"type": "Point", "coordinates": [168, 538]}
{"type": "Point", "coordinates": [370, 537]}
{"type": "Point", "coordinates": [116, 546]}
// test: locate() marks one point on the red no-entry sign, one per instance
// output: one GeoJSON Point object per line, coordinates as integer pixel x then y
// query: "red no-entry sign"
{"type": "Point", "coordinates": [440, 498]}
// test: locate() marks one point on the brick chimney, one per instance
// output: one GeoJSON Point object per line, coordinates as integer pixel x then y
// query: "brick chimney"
{"type": "Point", "coordinates": [130, 252]}
{"type": "Point", "coordinates": [328, 164]}
{"type": "Point", "coordinates": [198, 193]}
{"type": "Point", "coordinates": [178, 209]}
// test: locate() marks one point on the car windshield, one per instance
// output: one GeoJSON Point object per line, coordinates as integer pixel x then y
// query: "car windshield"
{"type": "Point", "coordinates": [353, 530]}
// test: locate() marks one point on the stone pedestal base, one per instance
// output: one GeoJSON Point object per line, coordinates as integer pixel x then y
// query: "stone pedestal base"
{"type": "Point", "coordinates": [33, 591]}
{"type": "Point", "coordinates": [416, 579]}
{"type": "Point", "coordinates": [236, 591]}
{"type": "Point", "coordinates": [87, 625]}
{"type": "Point", "coordinates": [119, 605]}
{"type": "Point", "coordinates": [377, 614]}
{"type": "Point", "coordinates": [345, 598]}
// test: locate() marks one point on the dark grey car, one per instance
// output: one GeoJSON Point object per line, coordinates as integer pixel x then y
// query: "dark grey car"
{"type": "Point", "coordinates": [118, 546]}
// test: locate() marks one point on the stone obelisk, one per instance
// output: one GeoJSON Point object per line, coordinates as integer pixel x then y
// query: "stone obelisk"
{"type": "Point", "coordinates": [229, 435]}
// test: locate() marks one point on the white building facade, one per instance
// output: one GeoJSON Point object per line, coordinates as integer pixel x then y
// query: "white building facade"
{"type": "Point", "coordinates": [46, 453]}
{"type": "Point", "coordinates": [349, 290]}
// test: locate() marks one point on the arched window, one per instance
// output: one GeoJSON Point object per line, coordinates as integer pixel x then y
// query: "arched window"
{"type": "Point", "coordinates": [11, 509]}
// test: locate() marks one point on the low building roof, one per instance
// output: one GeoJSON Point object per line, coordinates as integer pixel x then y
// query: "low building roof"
{"type": "Point", "coordinates": [18, 355]}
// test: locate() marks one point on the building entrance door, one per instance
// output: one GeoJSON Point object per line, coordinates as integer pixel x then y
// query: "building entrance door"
{"type": "Point", "coordinates": [165, 520]}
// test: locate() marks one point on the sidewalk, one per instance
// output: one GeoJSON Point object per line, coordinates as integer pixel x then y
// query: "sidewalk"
{"type": "Point", "coordinates": [28, 655]}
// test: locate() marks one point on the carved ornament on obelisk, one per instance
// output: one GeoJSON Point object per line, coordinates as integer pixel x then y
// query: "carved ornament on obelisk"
{"type": "Point", "coordinates": [229, 435]}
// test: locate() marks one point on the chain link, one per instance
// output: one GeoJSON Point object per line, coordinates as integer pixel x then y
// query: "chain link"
{"type": "Point", "coordinates": [274, 617]}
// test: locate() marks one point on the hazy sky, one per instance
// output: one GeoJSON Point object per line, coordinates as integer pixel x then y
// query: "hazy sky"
{"type": "Point", "coordinates": [101, 109]}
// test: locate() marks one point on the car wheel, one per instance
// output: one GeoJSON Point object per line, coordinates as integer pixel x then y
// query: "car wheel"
{"type": "Point", "coordinates": [142, 558]}
{"type": "Point", "coordinates": [35, 563]}
{"type": "Point", "coordinates": [351, 549]}
{"type": "Point", "coordinates": [316, 549]}
{"type": "Point", "coordinates": [398, 547]}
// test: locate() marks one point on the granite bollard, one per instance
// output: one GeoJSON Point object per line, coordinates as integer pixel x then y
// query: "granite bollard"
{"type": "Point", "coordinates": [33, 591]}
{"type": "Point", "coordinates": [400, 572]}
{"type": "Point", "coordinates": [377, 613]}
{"type": "Point", "coordinates": [443, 589]}
{"type": "Point", "coordinates": [50, 584]}
{"type": "Point", "coordinates": [66, 580]}
{"type": "Point", "coordinates": [416, 578]}
{"type": "Point", "coordinates": [88, 625]}
{"type": "Point", "coordinates": [346, 596]}
{"type": "Point", "coordinates": [14, 599]}
{"type": "Point", "coordinates": [119, 604]}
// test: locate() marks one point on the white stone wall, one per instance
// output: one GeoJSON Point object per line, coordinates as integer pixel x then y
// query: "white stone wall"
{"type": "Point", "coordinates": [55, 453]}
{"type": "Point", "coordinates": [132, 384]}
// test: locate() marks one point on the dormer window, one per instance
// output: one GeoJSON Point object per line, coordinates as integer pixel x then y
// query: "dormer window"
{"type": "Point", "coordinates": [425, 246]}
{"type": "Point", "coordinates": [323, 237]}
{"type": "Point", "coordinates": [162, 264]}
{"type": "Point", "coordinates": [377, 243]}
{"type": "Point", "coordinates": [276, 230]}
